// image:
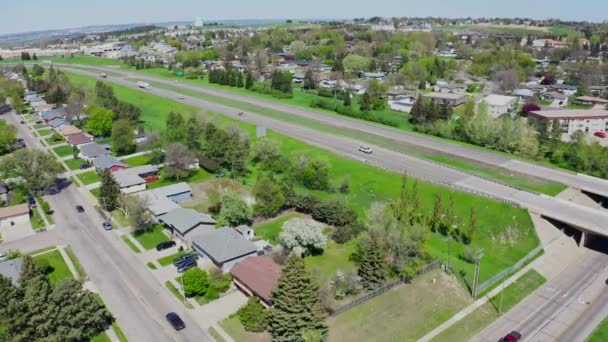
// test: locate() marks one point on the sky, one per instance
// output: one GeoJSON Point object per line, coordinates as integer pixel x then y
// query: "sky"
{"type": "Point", "coordinates": [31, 15]}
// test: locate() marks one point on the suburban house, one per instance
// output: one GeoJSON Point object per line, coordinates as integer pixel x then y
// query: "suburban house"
{"type": "Point", "coordinates": [556, 99]}
{"type": "Point", "coordinates": [107, 162]}
{"type": "Point", "coordinates": [129, 183]}
{"type": "Point", "coordinates": [51, 114]}
{"type": "Point", "coordinates": [184, 223]}
{"type": "Point", "coordinates": [591, 100]}
{"type": "Point", "coordinates": [4, 190]}
{"type": "Point", "coordinates": [162, 200]}
{"type": "Point", "coordinates": [224, 247]}
{"type": "Point", "coordinates": [39, 106]}
{"type": "Point", "coordinates": [257, 276]}
{"type": "Point", "coordinates": [79, 139]}
{"type": "Point", "coordinates": [380, 76]}
{"type": "Point", "coordinates": [246, 231]}
{"type": "Point", "coordinates": [454, 100]}
{"type": "Point", "coordinates": [91, 151]}
{"type": "Point", "coordinates": [67, 130]}
{"type": "Point", "coordinates": [523, 94]}
{"type": "Point", "coordinates": [402, 104]}
{"type": "Point", "coordinates": [499, 104]}
{"type": "Point", "coordinates": [15, 215]}
{"type": "Point", "coordinates": [11, 269]}
{"type": "Point", "coordinates": [56, 123]}
{"type": "Point", "coordinates": [587, 121]}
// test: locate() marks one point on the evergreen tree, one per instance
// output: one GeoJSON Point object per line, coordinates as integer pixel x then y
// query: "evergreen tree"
{"type": "Point", "coordinates": [346, 99]}
{"type": "Point", "coordinates": [366, 102]}
{"type": "Point", "coordinates": [372, 270]}
{"type": "Point", "coordinates": [249, 81]}
{"type": "Point", "coordinates": [436, 216]}
{"type": "Point", "coordinates": [109, 191]}
{"type": "Point", "coordinates": [296, 306]}
{"type": "Point", "coordinates": [309, 80]}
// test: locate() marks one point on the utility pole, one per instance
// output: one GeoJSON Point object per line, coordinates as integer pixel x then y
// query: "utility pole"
{"type": "Point", "coordinates": [476, 278]}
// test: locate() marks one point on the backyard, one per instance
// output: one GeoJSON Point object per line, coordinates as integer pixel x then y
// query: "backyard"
{"type": "Point", "coordinates": [55, 266]}
{"type": "Point", "coordinates": [269, 230]}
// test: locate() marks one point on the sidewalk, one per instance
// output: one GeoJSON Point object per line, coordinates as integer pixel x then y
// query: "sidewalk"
{"type": "Point", "coordinates": [68, 261]}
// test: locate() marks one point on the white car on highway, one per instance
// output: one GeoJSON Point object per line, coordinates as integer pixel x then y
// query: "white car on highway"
{"type": "Point", "coordinates": [365, 149]}
{"type": "Point", "coordinates": [181, 97]}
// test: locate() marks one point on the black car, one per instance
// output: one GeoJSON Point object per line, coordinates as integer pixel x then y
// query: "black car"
{"type": "Point", "coordinates": [31, 201]}
{"type": "Point", "coordinates": [85, 166]}
{"type": "Point", "coordinates": [175, 321]}
{"type": "Point", "coordinates": [79, 209]}
{"type": "Point", "coordinates": [182, 259]}
{"type": "Point", "coordinates": [186, 266]}
{"type": "Point", "coordinates": [165, 245]}
{"type": "Point", "coordinates": [22, 122]}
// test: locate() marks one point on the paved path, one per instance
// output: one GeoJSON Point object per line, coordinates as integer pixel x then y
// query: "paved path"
{"type": "Point", "coordinates": [68, 262]}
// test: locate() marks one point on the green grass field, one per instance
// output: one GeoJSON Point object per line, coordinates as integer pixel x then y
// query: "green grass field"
{"type": "Point", "coordinates": [370, 184]}
{"type": "Point", "coordinates": [58, 269]}
{"type": "Point", "coordinates": [216, 336]}
{"type": "Point", "coordinates": [81, 273]}
{"type": "Point", "coordinates": [197, 176]}
{"type": "Point", "coordinates": [64, 151]}
{"type": "Point", "coordinates": [36, 220]}
{"type": "Point", "coordinates": [233, 327]}
{"type": "Point", "coordinates": [89, 177]}
{"type": "Point", "coordinates": [600, 334]}
{"type": "Point", "coordinates": [152, 237]}
{"type": "Point", "coordinates": [52, 142]}
{"type": "Point", "coordinates": [75, 59]}
{"type": "Point", "coordinates": [45, 131]}
{"type": "Point", "coordinates": [269, 230]}
{"type": "Point", "coordinates": [137, 161]}
{"type": "Point", "coordinates": [74, 164]}
{"type": "Point", "coordinates": [335, 257]}
{"type": "Point", "coordinates": [130, 244]}
{"type": "Point", "coordinates": [483, 316]}
{"type": "Point", "coordinates": [168, 260]}
{"type": "Point", "coordinates": [404, 313]}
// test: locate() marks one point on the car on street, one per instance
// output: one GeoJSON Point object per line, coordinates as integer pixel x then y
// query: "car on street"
{"type": "Point", "coordinates": [85, 166]}
{"type": "Point", "coordinates": [513, 336]}
{"type": "Point", "coordinates": [31, 200]}
{"type": "Point", "coordinates": [175, 321]}
{"type": "Point", "coordinates": [3, 256]}
{"type": "Point", "coordinates": [600, 134]}
{"type": "Point", "coordinates": [186, 266]}
{"type": "Point", "coordinates": [184, 258]}
{"type": "Point", "coordinates": [181, 97]}
{"type": "Point", "coordinates": [80, 209]}
{"type": "Point", "coordinates": [106, 225]}
{"type": "Point", "coordinates": [103, 75]}
{"type": "Point", "coordinates": [365, 149]}
{"type": "Point", "coordinates": [22, 122]}
{"type": "Point", "coordinates": [164, 245]}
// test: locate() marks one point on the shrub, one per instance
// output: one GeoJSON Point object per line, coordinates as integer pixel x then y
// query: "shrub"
{"type": "Point", "coordinates": [344, 186]}
{"type": "Point", "coordinates": [304, 236]}
{"type": "Point", "coordinates": [234, 211]}
{"type": "Point", "coordinates": [253, 315]}
{"type": "Point", "coordinates": [342, 234]}
{"type": "Point", "coordinates": [304, 203]}
{"type": "Point", "coordinates": [333, 212]}
{"type": "Point", "coordinates": [196, 282]}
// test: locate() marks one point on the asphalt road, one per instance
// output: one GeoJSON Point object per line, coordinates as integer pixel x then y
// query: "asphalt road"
{"type": "Point", "coordinates": [559, 308]}
{"type": "Point", "coordinates": [589, 320]}
{"type": "Point", "coordinates": [131, 293]}
{"type": "Point", "coordinates": [577, 215]}
{"type": "Point", "coordinates": [582, 182]}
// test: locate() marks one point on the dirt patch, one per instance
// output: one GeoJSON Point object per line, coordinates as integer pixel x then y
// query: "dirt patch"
{"type": "Point", "coordinates": [208, 193]}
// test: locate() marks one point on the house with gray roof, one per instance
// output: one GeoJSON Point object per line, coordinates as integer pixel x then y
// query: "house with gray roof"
{"type": "Point", "coordinates": [56, 123]}
{"type": "Point", "coordinates": [11, 269]}
{"type": "Point", "coordinates": [91, 151]}
{"type": "Point", "coordinates": [185, 223]}
{"type": "Point", "coordinates": [129, 183]}
{"type": "Point", "coordinates": [162, 200]}
{"type": "Point", "coordinates": [107, 162]}
{"type": "Point", "coordinates": [224, 247]}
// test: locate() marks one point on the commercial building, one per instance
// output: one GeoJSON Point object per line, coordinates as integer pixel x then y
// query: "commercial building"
{"type": "Point", "coordinates": [454, 100]}
{"type": "Point", "coordinates": [587, 121]}
{"type": "Point", "coordinates": [499, 104]}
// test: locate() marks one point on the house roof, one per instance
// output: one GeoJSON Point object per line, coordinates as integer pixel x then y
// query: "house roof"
{"type": "Point", "coordinates": [156, 204]}
{"type": "Point", "coordinates": [173, 189]}
{"type": "Point", "coordinates": [224, 244]}
{"type": "Point", "coordinates": [184, 219]}
{"type": "Point", "coordinates": [591, 99]}
{"type": "Point", "coordinates": [242, 229]}
{"type": "Point", "coordinates": [444, 96]}
{"type": "Point", "coordinates": [259, 273]}
{"type": "Point", "coordinates": [68, 130]}
{"type": "Point", "coordinates": [523, 92]}
{"type": "Point", "coordinates": [53, 113]}
{"type": "Point", "coordinates": [498, 100]}
{"type": "Point", "coordinates": [572, 114]}
{"type": "Point", "coordinates": [42, 106]}
{"type": "Point", "coordinates": [140, 170]}
{"type": "Point", "coordinates": [57, 122]}
{"type": "Point", "coordinates": [16, 210]}
{"type": "Point", "coordinates": [556, 95]}
{"type": "Point", "coordinates": [93, 150]}
{"type": "Point", "coordinates": [106, 161]}
{"type": "Point", "coordinates": [125, 180]}
{"type": "Point", "coordinates": [11, 269]}
{"type": "Point", "coordinates": [79, 139]}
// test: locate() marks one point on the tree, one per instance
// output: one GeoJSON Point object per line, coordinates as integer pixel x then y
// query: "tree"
{"type": "Point", "coordinates": [175, 128]}
{"type": "Point", "coordinates": [76, 102]}
{"type": "Point", "coordinates": [303, 236]}
{"type": "Point", "coordinates": [366, 102]}
{"type": "Point", "coordinates": [372, 269]}
{"type": "Point", "coordinates": [234, 211]}
{"type": "Point", "coordinates": [139, 217]}
{"type": "Point", "coordinates": [266, 150]}
{"type": "Point", "coordinates": [109, 191]}
{"type": "Point", "coordinates": [309, 80]}
{"type": "Point", "coordinates": [437, 215]}
{"type": "Point", "coordinates": [123, 137]}
{"type": "Point", "coordinates": [37, 168]}
{"type": "Point", "coordinates": [99, 122]}
{"type": "Point", "coordinates": [355, 63]}
{"type": "Point", "coordinates": [178, 159]}
{"type": "Point", "coordinates": [253, 315]}
{"type": "Point", "coordinates": [249, 80]}
{"type": "Point", "coordinates": [269, 198]}
{"type": "Point", "coordinates": [8, 137]}
{"type": "Point", "coordinates": [296, 307]}
{"type": "Point", "coordinates": [196, 282]}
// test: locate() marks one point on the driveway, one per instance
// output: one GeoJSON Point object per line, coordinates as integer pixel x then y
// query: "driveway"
{"type": "Point", "coordinates": [11, 230]}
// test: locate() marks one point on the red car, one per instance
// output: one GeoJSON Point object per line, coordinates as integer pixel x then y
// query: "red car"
{"type": "Point", "coordinates": [513, 336]}
{"type": "Point", "coordinates": [600, 134]}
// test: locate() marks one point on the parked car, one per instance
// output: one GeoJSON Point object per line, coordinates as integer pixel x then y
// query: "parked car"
{"type": "Point", "coordinates": [184, 258]}
{"type": "Point", "coordinates": [106, 225]}
{"type": "Point", "coordinates": [513, 336]}
{"type": "Point", "coordinates": [365, 149]}
{"type": "Point", "coordinates": [85, 166]}
{"type": "Point", "coordinates": [600, 134]}
{"type": "Point", "coordinates": [186, 266]}
{"type": "Point", "coordinates": [175, 321]}
{"type": "Point", "coordinates": [79, 209]}
{"type": "Point", "coordinates": [103, 75]}
{"type": "Point", "coordinates": [31, 201]}
{"type": "Point", "coordinates": [22, 122]}
{"type": "Point", "coordinates": [39, 121]}
{"type": "Point", "coordinates": [164, 245]}
{"type": "Point", "coordinates": [3, 256]}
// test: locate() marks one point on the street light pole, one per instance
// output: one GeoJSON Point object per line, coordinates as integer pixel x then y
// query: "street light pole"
{"type": "Point", "coordinates": [183, 288]}
{"type": "Point", "coordinates": [476, 279]}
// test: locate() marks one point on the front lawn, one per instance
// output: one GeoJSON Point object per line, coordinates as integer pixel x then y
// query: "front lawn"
{"type": "Point", "coordinates": [64, 151]}
{"type": "Point", "coordinates": [197, 176]}
{"type": "Point", "coordinates": [56, 267]}
{"type": "Point", "coordinates": [36, 220]}
{"type": "Point", "coordinates": [270, 229]}
{"type": "Point", "coordinates": [233, 327]}
{"type": "Point", "coordinates": [45, 131]}
{"type": "Point", "coordinates": [74, 164]}
{"type": "Point", "coordinates": [89, 177]}
{"type": "Point", "coordinates": [404, 313]}
{"type": "Point", "coordinates": [483, 316]}
{"type": "Point", "coordinates": [168, 260]}
{"type": "Point", "coordinates": [52, 141]}
{"type": "Point", "coordinates": [119, 216]}
{"type": "Point", "coordinates": [152, 237]}
{"type": "Point", "coordinates": [137, 161]}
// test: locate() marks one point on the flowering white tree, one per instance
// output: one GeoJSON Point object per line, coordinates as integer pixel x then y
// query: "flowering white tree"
{"type": "Point", "coordinates": [304, 236]}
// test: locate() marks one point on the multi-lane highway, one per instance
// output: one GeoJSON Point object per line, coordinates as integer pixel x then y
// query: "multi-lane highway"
{"type": "Point", "coordinates": [585, 218]}
{"type": "Point", "coordinates": [582, 182]}
{"type": "Point", "coordinates": [137, 300]}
